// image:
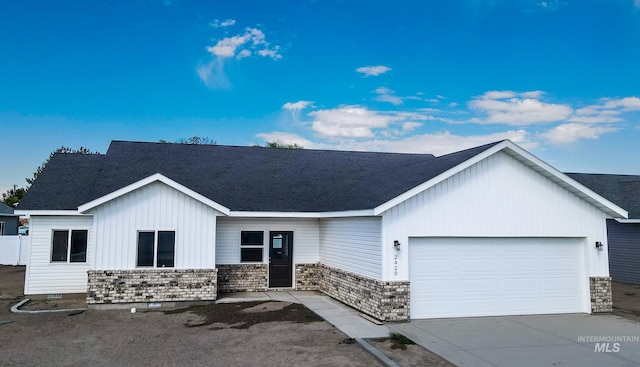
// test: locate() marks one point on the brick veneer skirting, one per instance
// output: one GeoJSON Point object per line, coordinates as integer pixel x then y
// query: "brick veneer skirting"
{"type": "Point", "coordinates": [151, 285]}
{"type": "Point", "coordinates": [601, 294]}
{"type": "Point", "coordinates": [387, 301]}
{"type": "Point", "coordinates": [242, 278]}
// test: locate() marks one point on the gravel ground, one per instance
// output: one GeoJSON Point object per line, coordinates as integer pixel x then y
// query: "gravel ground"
{"type": "Point", "coordinates": [256, 334]}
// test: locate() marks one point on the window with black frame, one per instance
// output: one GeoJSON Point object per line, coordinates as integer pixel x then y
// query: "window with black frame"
{"type": "Point", "coordinates": [156, 249]}
{"type": "Point", "coordinates": [251, 246]}
{"type": "Point", "coordinates": [69, 246]}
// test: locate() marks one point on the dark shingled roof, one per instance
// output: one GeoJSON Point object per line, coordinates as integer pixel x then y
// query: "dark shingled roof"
{"type": "Point", "coordinates": [242, 178]}
{"type": "Point", "coordinates": [5, 209]}
{"type": "Point", "coordinates": [622, 190]}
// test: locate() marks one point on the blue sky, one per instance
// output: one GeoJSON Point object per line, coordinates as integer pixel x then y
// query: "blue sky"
{"type": "Point", "coordinates": [560, 78]}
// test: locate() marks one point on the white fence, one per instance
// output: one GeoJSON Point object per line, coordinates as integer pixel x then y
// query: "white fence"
{"type": "Point", "coordinates": [14, 250]}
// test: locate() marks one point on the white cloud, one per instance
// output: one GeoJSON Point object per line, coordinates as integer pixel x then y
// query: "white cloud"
{"type": "Point", "coordinates": [250, 43]}
{"type": "Point", "coordinates": [409, 126]}
{"type": "Point", "coordinates": [626, 104]}
{"type": "Point", "coordinates": [508, 107]}
{"type": "Point", "coordinates": [243, 53]}
{"type": "Point", "coordinates": [297, 106]}
{"type": "Point", "coordinates": [571, 132]}
{"type": "Point", "coordinates": [227, 47]}
{"type": "Point", "coordinates": [438, 143]}
{"type": "Point", "coordinates": [593, 116]}
{"type": "Point", "coordinates": [273, 53]}
{"type": "Point", "coordinates": [373, 70]}
{"type": "Point", "coordinates": [608, 111]}
{"type": "Point", "coordinates": [349, 121]}
{"type": "Point", "coordinates": [222, 23]}
{"type": "Point", "coordinates": [387, 95]}
{"type": "Point", "coordinates": [212, 74]}
{"type": "Point", "coordinates": [251, 39]}
{"type": "Point", "coordinates": [452, 104]}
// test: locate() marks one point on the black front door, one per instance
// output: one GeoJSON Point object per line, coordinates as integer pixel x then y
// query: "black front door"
{"type": "Point", "coordinates": [280, 259]}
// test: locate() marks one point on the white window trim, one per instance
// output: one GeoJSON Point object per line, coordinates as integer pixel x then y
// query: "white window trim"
{"type": "Point", "coordinates": [241, 246]}
{"type": "Point", "coordinates": [68, 261]}
{"type": "Point", "coordinates": [155, 248]}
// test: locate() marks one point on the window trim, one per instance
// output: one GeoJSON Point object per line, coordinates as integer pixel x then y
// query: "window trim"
{"type": "Point", "coordinates": [67, 260]}
{"type": "Point", "coordinates": [2, 226]}
{"type": "Point", "coordinates": [252, 246]}
{"type": "Point", "coordinates": [156, 238]}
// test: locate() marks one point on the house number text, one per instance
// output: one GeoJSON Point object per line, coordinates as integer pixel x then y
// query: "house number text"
{"type": "Point", "coordinates": [395, 265]}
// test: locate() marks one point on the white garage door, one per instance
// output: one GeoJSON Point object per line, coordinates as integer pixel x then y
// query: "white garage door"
{"type": "Point", "coordinates": [458, 277]}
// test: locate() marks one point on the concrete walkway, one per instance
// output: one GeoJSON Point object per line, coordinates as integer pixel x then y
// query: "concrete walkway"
{"type": "Point", "coordinates": [343, 317]}
{"type": "Point", "coordinates": [541, 340]}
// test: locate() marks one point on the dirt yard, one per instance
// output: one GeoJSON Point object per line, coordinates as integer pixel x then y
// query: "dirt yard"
{"type": "Point", "coordinates": [255, 334]}
{"type": "Point", "coordinates": [626, 300]}
{"type": "Point", "coordinates": [408, 355]}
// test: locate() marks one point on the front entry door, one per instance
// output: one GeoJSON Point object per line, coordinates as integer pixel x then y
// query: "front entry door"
{"type": "Point", "coordinates": [280, 259]}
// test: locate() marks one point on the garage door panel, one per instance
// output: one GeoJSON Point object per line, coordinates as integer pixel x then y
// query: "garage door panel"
{"type": "Point", "coordinates": [430, 265]}
{"type": "Point", "coordinates": [468, 307]}
{"type": "Point", "coordinates": [558, 284]}
{"type": "Point", "coordinates": [437, 286]}
{"type": "Point", "coordinates": [518, 304]}
{"type": "Point", "coordinates": [476, 265]}
{"type": "Point", "coordinates": [477, 286]}
{"type": "Point", "coordinates": [517, 265]}
{"type": "Point", "coordinates": [457, 277]}
{"type": "Point", "coordinates": [558, 303]}
{"type": "Point", "coordinates": [519, 285]}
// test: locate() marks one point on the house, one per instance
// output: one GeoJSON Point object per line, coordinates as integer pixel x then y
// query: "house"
{"type": "Point", "coordinates": [623, 234]}
{"type": "Point", "coordinates": [491, 230]}
{"type": "Point", "coordinates": [9, 222]}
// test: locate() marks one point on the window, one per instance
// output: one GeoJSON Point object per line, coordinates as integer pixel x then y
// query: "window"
{"type": "Point", "coordinates": [69, 246]}
{"type": "Point", "coordinates": [156, 249]}
{"type": "Point", "coordinates": [1, 228]}
{"type": "Point", "coordinates": [251, 246]}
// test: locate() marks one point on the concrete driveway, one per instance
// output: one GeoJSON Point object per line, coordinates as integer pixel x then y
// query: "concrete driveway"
{"type": "Point", "coordinates": [548, 340]}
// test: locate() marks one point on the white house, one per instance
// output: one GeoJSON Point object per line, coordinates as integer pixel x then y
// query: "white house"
{"type": "Point", "coordinates": [491, 230]}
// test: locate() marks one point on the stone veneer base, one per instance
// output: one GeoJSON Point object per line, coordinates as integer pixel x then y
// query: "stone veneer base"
{"type": "Point", "coordinates": [242, 277]}
{"type": "Point", "coordinates": [601, 294]}
{"type": "Point", "coordinates": [386, 301]}
{"type": "Point", "coordinates": [151, 285]}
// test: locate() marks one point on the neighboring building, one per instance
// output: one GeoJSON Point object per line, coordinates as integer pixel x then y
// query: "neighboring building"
{"type": "Point", "coordinates": [490, 230]}
{"type": "Point", "coordinates": [623, 234]}
{"type": "Point", "coordinates": [9, 222]}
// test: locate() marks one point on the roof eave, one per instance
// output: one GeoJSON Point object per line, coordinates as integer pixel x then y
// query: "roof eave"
{"type": "Point", "coordinates": [277, 214]}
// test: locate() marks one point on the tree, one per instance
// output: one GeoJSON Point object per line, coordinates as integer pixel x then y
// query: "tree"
{"type": "Point", "coordinates": [13, 196]}
{"type": "Point", "coordinates": [281, 145]}
{"type": "Point", "coordinates": [194, 140]}
{"type": "Point", "coordinates": [63, 150]}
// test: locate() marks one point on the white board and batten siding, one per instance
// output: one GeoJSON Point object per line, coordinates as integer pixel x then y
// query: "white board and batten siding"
{"type": "Point", "coordinates": [306, 237]}
{"type": "Point", "coordinates": [46, 277]}
{"type": "Point", "coordinates": [496, 197]}
{"type": "Point", "coordinates": [352, 244]}
{"type": "Point", "coordinates": [154, 207]}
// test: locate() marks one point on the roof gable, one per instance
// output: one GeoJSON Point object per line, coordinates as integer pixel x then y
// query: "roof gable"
{"type": "Point", "coordinates": [5, 209]}
{"type": "Point", "coordinates": [524, 157]}
{"type": "Point", "coordinates": [146, 181]}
